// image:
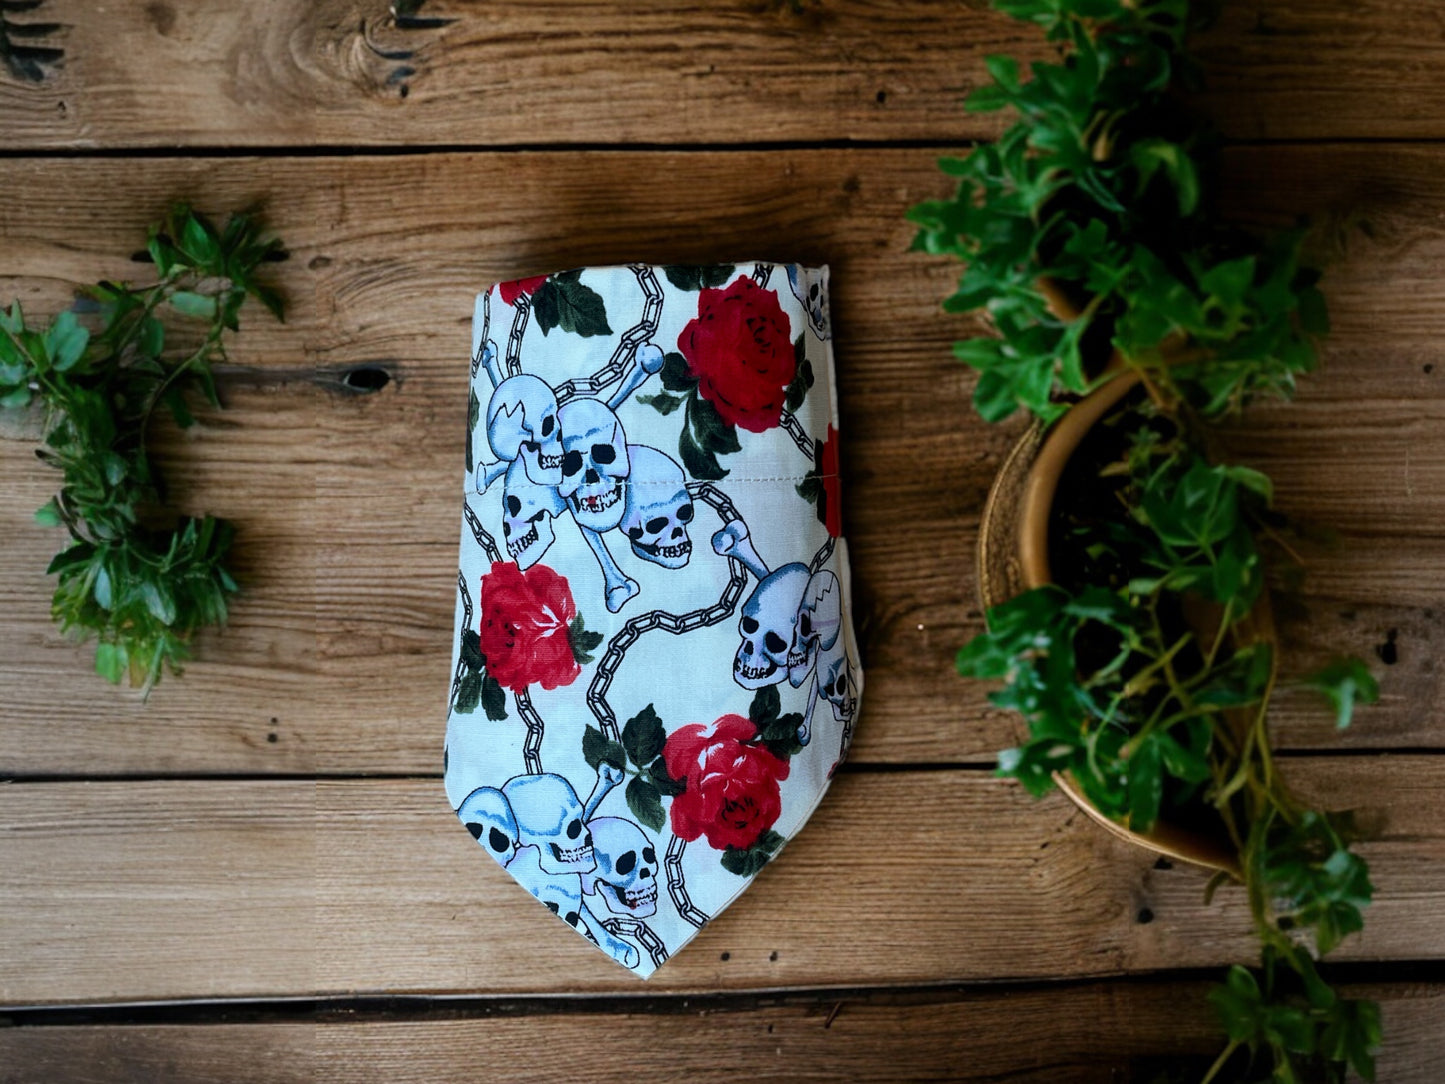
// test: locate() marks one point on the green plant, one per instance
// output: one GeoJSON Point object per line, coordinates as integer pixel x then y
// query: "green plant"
{"type": "Point", "coordinates": [134, 575]}
{"type": "Point", "coordinates": [1088, 224]}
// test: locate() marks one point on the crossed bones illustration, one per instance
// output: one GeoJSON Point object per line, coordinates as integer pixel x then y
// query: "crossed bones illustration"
{"type": "Point", "coordinates": [574, 457]}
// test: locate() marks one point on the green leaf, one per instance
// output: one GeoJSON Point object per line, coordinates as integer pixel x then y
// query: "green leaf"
{"type": "Point", "coordinates": [802, 379]}
{"type": "Point", "coordinates": [198, 241]}
{"type": "Point", "coordinates": [1344, 683]}
{"type": "Point", "coordinates": [597, 747]}
{"type": "Point", "coordinates": [111, 662]}
{"type": "Point", "coordinates": [708, 428]}
{"type": "Point", "coordinates": [200, 306]}
{"type": "Point", "coordinates": [1146, 785]}
{"type": "Point", "coordinates": [657, 772]}
{"type": "Point", "coordinates": [102, 588]}
{"type": "Point", "coordinates": [694, 277]}
{"type": "Point", "coordinates": [65, 341]}
{"type": "Point", "coordinates": [469, 692]}
{"type": "Point", "coordinates": [766, 705]}
{"type": "Point", "coordinates": [158, 601]}
{"type": "Point", "coordinates": [564, 302]}
{"type": "Point", "coordinates": [474, 415]}
{"type": "Point", "coordinates": [494, 700]}
{"type": "Point", "coordinates": [700, 464]}
{"type": "Point", "coordinates": [643, 736]}
{"type": "Point", "coordinates": [582, 642]}
{"type": "Point", "coordinates": [663, 403]}
{"type": "Point", "coordinates": [48, 514]}
{"type": "Point", "coordinates": [16, 399]}
{"type": "Point", "coordinates": [748, 863]}
{"type": "Point", "coordinates": [645, 802]}
{"type": "Point", "coordinates": [676, 376]}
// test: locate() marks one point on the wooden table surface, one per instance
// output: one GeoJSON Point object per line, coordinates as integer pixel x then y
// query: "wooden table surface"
{"type": "Point", "coordinates": [254, 877]}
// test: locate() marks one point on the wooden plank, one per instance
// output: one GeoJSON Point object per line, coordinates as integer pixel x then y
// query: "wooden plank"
{"type": "Point", "coordinates": [143, 891]}
{"type": "Point", "coordinates": [161, 1054]}
{"type": "Point", "coordinates": [343, 72]}
{"type": "Point", "coordinates": [1096, 1032]}
{"type": "Point", "coordinates": [346, 662]}
{"type": "Point", "coordinates": [110, 887]}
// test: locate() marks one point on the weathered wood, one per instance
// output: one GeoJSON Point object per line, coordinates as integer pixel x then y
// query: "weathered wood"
{"type": "Point", "coordinates": [345, 660]}
{"type": "Point", "coordinates": [1096, 1032]}
{"type": "Point", "coordinates": [130, 891]}
{"type": "Point", "coordinates": [344, 72]}
{"type": "Point", "coordinates": [276, 1053]}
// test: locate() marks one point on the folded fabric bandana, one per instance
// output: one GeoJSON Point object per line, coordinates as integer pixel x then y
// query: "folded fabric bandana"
{"type": "Point", "coordinates": [655, 669]}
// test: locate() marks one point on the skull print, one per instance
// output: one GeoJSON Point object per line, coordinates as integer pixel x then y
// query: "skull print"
{"type": "Point", "coordinates": [487, 815]}
{"type": "Point", "coordinates": [658, 508]}
{"type": "Point", "coordinates": [549, 818]}
{"type": "Point", "coordinates": [527, 513]}
{"type": "Point", "coordinates": [769, 628]}
{"type": "Point", "coordinates": [523, 422]}
{"type": "Point", "coordinates": [626, 874]}
{"type": "Point", "coordinates": [594, 463]}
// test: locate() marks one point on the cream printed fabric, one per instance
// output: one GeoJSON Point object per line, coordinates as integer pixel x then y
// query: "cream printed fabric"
{"type": "Point", "coordinates": [655, 672]}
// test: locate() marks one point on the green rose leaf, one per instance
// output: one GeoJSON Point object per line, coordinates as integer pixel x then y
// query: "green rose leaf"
{"type": "Point", "coordinates": [597, 747]}
{"type": "Point", "coordinates": [694, 277]}
{"type": "Point", "coordinates": [748, 863]}
{"type": "Point", "coordinates": [494, 700]}
{"type": "Point", "coordinates": [643, 736]}
{"type": "Point", "coordinates": [657, 772]}
{"type": "Point", "coordinates": [564, 302]}
{"type": "Point", "coordinates": [708, 427]}
{"type": "Point", "coordinates": [663, 403]}
{"type": "Point", "coordinates": [676, 376]}
{"type": "Point", "coordinates": [582, 642]}
{"type": "Point", "coordinates": [645, 802]}
{"type": "Point", "coordinates": [766, 705]}
{"type": "Point", "coordinates": [700, 463]}
{"type": "Point", "coordinates": [469, 693]}
{"type": "Point", "coordinates": [474, 415]}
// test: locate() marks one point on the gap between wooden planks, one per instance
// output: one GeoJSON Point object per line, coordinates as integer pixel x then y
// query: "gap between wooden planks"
{"type": "Point", "coordinates": [345, 72]}
{"type": "Point", "coordinates": [1094, 1033]}
{"type": "Point", "coordinates": [181, 890]}
{"type": "Point", "coordinates": [338, 657]}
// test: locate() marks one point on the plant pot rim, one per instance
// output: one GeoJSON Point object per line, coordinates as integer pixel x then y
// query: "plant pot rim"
{"type": "Point", "coordinates": [1014, 557]}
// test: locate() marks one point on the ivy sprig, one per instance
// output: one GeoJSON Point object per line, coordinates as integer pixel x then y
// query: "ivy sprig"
{"type": "Point", "coordinates": [1088, 230]}
{"type": "Point", "coordinates": [134, 575]}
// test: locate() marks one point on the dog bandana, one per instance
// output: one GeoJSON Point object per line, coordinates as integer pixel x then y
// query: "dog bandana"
{"type": "Point", "coordinates": [655, 671]}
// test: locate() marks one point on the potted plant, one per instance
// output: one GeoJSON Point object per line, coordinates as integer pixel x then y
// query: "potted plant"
{"type": "Point", "coordinates": [1123, 556]}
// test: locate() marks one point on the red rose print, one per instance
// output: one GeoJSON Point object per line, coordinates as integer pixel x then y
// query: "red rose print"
{"type": "Point", "coordinates": [832, 484]}
{"type": "Point", "coordinates": [525, 618]}
{"type": "Point", "coordinates": [732, 787]}
{"type": "Point", "coordinates": [510, 291]}
{"type": "Point", "coordinates": [739, 351]}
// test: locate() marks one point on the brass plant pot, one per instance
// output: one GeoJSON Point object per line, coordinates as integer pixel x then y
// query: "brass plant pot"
{"type": "Point", "coordinates": [1013, 556]}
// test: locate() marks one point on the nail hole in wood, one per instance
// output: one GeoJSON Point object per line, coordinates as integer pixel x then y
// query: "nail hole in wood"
{"type": "Point", "coordinates": [367, 378]}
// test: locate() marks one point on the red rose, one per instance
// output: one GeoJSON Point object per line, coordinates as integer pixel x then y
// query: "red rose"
{"type": "Point", "coordinates": [525, 619]}
{"type": "Point", "coordinates": [738, 350]}
{"type": "Point", "coordinates": [510, 291]}
{"type": "Point", "coordinates": [732, 787]}
{"type": "Point", "coordinates": [832, 484]}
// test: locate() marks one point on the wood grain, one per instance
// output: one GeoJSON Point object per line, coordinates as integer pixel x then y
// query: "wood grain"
{"type": "Point", "coordinates": [142, 891]}
{"type": "Point", "coordinates": [1094, 1033]}
{"type": "Point", "coordinates": [345, 661]}
{"type": "Point", "coordinates": [343, 72]}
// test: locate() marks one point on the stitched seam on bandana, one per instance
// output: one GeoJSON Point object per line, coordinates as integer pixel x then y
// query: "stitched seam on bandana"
{"type": "Point", "coordinates": [729, 480]}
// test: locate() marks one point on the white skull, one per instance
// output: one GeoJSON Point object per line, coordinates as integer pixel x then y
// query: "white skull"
{"type": "Point", "coordinates": [549, 817]}
{"type": "Point", "coordinates": [626, 875]}
{"type": "Point", "coordinates": [811, 288]}
{"type": "Point", "coordinates": [658, 508]}
{"type": "Point", "coordinates": [561, 893]}
{"type": "Point", "coordinates": [594, 463]}
{"type": "Point", "coordinates": [488, 817]}
{"type": "Point", "coordinates": [819, 618]}
{"type": "Point", "coordinates": [522, 421]}
{"type": "Point", "coordinates": [527, 511]}
{"type": "Point", "coordinates": [769, 628]}
{"type": "Point", "coordinates": [835, 681]}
